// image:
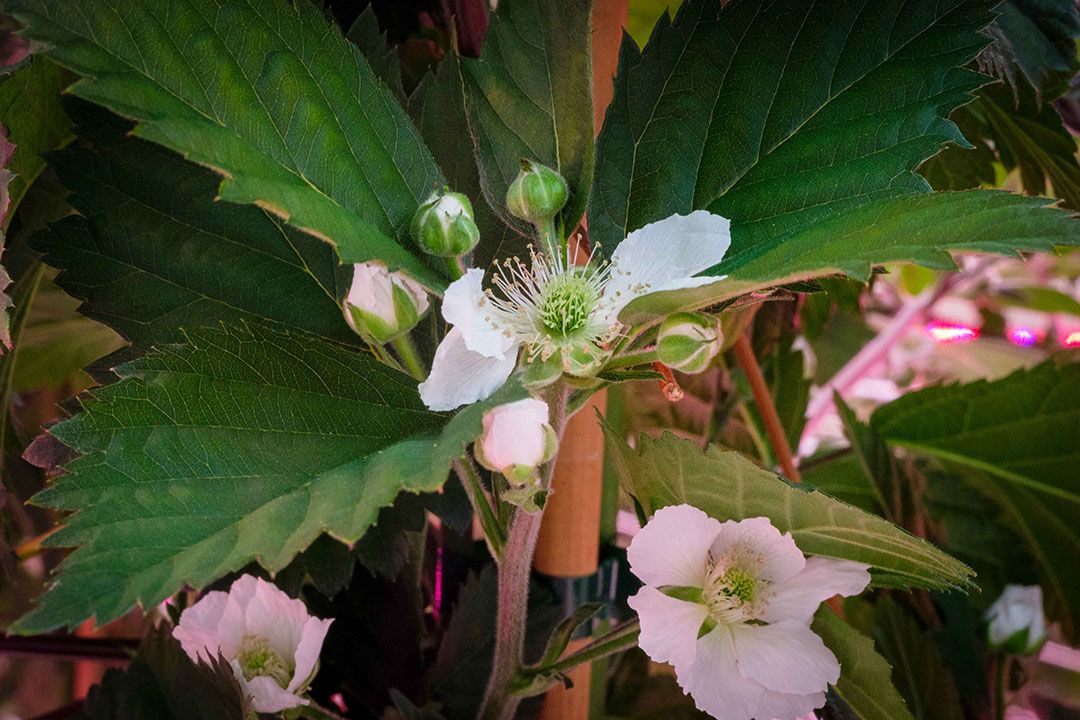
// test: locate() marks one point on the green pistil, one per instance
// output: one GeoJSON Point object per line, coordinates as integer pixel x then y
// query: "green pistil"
{"type": "Point", "coordinates": [738, 584]}
{"type": "Point", "coordinates": [566, 304]}
{"type": "Point", "coordinates": [257, 659]}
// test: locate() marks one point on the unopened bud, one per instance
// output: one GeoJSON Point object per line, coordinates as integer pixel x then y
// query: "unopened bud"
{"type": "Point", "coordinates": [517, 440]}
{"type": "Point", "coordinates": [443, 225]}
{"type": "Point", "coordinates": [1016, 621]}
{"type": "Point", "coordinates": [382, 305]}
{"type": "Point", "coordinates": [537, 194]}
{"type": "Point", "coordinates": [688, 342]}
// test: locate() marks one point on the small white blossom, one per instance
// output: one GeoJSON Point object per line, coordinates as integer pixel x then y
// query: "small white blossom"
{"type": "Point", "coordinates": [382, 304]}
{"type": "Point", "coordinates": [268, 638]}
{"type": "Point", "coordinates": [729, 605]}
{"type": "Point", "coordinates": [1016, 621]}
{"type": "Point", "coordinates": [556, 306]}
{"type": "Point", "coordinates": [517, 438]}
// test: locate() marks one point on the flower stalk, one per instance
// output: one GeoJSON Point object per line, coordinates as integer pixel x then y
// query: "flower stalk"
{"type": "Point", "coordinates": [406, 350]}
{"type": "Point", "coordinates": [494, 533]}
{"type": "Point", "coordinates": [744, 355]}
{"type": "Point", "coordinates": [622, 637]}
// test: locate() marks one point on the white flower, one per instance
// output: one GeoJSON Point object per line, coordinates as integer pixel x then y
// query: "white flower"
{"type": "Point", "coordinates": [1016, 620]}
{"type": "Point", "coordinates": [729, 605]}
{"type": "Point", "coordinates": [383, 304]}
{"type": "Point", "coordinates": [517, 438]}
{"type": "Point", "coordinates": [269, 639]}
{"type": "Point", "coordinates": [557, 306]}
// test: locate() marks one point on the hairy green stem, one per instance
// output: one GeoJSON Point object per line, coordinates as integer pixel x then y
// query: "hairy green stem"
{"type": "Point", "coordinates": [406, 350]}
{"type": "Point", "coordinates": [619, 638]}
{"type": "Point", "coordinates": [453, 264]}
{"type": "Point", "coordinates": [515, 568]}
{"type": "Point", "coordinates": [494, 534]}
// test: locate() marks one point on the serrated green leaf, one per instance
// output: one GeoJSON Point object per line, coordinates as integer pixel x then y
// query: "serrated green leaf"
{"type": "Point", "coordinates": [151, 252]}
{"type": "Point", "coordinates": [383, 59]}
{"type": "Point", "coordinates": [865, 683]}
{"type": "Point", "coordinates": [529, 96]}
{"type": "Point", "coordinates": [244, 444]}
{"type": "Point", "coordinates": [161, 682]}
{"type": "Point", "coordinates": [268, 94]}
{"type": "Point", "coordinates": [781, 114]}
{"type": "Point", "coordinates": [922, 229]}
{"type": "Point", "coordinates": [876, 463]}
{"type": "Point", "coordinates": [1013, 439]}
{"type": "Point", "coordinates": [669, 471]}
{"type": "Point", "coordinates": [918, 671]}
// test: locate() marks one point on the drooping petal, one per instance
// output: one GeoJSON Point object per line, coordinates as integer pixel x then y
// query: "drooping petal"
{"type": "Point", "coordinates": [673, 547]}
{"type": "Point", "coordinates": [714, 682]}
{"type": "Point", "coordinates": [786, 657]}
{"type": "Point", "coordinates": [197, 630]}
{"type": "Point", "coordinates": [307, 650]}
{"type": "Point", "coordinates": [460, 377]}
{"type": "Point", "coordinates": [757, 546]}
{"type": "Point", "coordinates": [799, 597]}
{"type": "Point", "coordinates": [268, 697]}
{"type": "Point", "coordinates": [665, 255]}
{"type": "Point", "coordinates": [467, 307]}
{"type": "Point", "coordinates": [784, 706]}
{"type": "Point", "coordinates": [669, 627]}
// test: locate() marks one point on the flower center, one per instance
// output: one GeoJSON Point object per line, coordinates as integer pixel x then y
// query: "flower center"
{"type": "Point", "coordinates": [258, 659]}
{"type": "Point", "coordinates": [566, 303]}
{"type": "Point", "coordinates": [729, 594]}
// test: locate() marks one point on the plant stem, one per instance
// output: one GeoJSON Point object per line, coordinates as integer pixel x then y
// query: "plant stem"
{"type": "Point", "coordinates": [405, 349]}
{"type": "Point", "coordinates": [553, 244]}
{"type": "Point", "coordinates": [515, 568]}
{"type": "Point", "coordinates": [514, 571]}
{"type": "Point", "coordinates": [744, 355]}
{"type": "Point", "coordinates": [619, 638]}
{"type": "Point", "coordinates": [453, 264]}
{"type": "Point", "coordinates": [638, 357]}
{"type": "Point", "coordinates": [493, 531]}
{"type": "Point", "coordinates": [1000, 679]}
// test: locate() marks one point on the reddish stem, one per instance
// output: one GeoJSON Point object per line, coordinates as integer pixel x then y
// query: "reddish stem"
{"type": "Point", "coordinates": [744, 355]}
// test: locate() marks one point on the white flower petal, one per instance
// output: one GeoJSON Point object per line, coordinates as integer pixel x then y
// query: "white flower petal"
{"type": "Point", "coordinates": [460, 377]}
{"type": "Point", "coordinates": [467, 307]}
{"type": "Point", "coordinates": [774, 557]}
{"type": "Point", "coordinates": [268, 697]}
{"type": "Point", "coordinates": [782, 706]}
{"type": "Point", "coordinates": [197, 630]}
{"type": "Point", "coordinates": [714, 682]}
{"type": "Point", "coordinates": [277, 618]}
{"type": "Point", "coordinates": [673, 547]}
{"type": "Point", "coordinates": [669, 627]}
{"type": "Point", "coordinates": [307, 650]}
{"type": "Point", "coordinates": [664, 255]}
{"type": "Point", "coordinates": [799, 597]}
{"type": "Point", "coordinates": [786, 657]}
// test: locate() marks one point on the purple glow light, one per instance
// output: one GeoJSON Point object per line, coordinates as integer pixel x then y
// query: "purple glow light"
{"type": "Point", "coordinates": [946, 333]}
{"type": "Point", "coordinates": [1022, 336]}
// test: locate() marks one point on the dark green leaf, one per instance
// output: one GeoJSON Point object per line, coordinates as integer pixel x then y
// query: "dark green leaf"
{"type": "Point", "coordinates": [865, 677]}
{"type": "Point", "coordinates": [267, 93]}
{"type": "Point", "coordinates": [161, 682]}
{"type": "Point", "coordinates": [529, 96]}
{"type": "Point", "coordinates": [151, 251]}
{"type": "Point", "coordinates": [781, 114]}
{"type": "Point", "coordinates": [366, 35]}
{"type": "Point", "coordinates": [876, 462]}
{"type": "Point", "coordinates": [842, 476]}
{"type": "Point", "coordinates": [670, 471]}
{"type": "Point", "coordinates": [245, 444]}
{"type": "Point", "coordinates": [1015, 440]}
{"type": "Point", "coordinates": [918, 671]}
{"type": "Point", "coordinates": [1039, 38]}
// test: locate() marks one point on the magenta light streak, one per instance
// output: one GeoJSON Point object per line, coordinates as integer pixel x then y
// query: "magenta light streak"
{"type": "Point", "coordinates": [436, 601]}
{"type": "Point", "coordinates": [1022, 336]}
{"type": "Point", "coordinates": [946, 333]}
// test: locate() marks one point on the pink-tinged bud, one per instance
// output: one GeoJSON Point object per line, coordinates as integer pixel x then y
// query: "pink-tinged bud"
{"type": "Point", "coordinates": [517, 439]}
{"type": "Point", "coordinates": [382, 305]}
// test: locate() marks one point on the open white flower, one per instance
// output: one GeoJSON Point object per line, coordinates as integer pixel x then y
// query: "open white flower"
{"type": "Point", "coordinates": [729, 605]}
{"type": "Point", "coordinates": [554, 305]}
{"type": "Point", "coordinates": [269, 639]}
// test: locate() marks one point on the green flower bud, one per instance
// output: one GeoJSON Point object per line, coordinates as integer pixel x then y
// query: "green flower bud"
{"type": "Point", "coordinates": [688, 342]}
{"type": "Point", "coordinates": [382, 305]}
{"type": "Point", "coordinates": [537, 194]}
{"type": "Point", "coordinates": [443, 225]}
